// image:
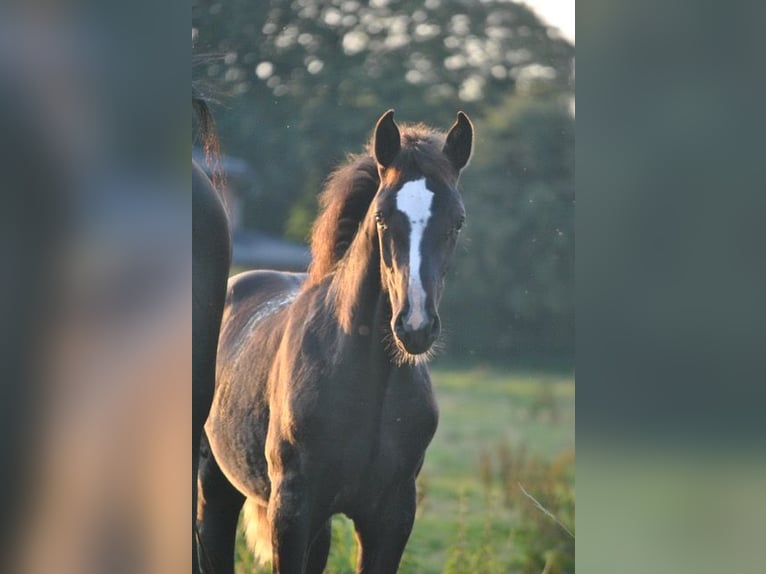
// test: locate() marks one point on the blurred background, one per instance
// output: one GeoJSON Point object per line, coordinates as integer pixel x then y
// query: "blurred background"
{"type": "Point", "coordinates": [301, 83]}
{"type": "Point", "coordinates": [297, 85]}
{"type": "Point", "coordinates": [94, 296]}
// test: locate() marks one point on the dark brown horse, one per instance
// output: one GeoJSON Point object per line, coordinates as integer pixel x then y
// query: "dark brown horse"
{"type": "Point", "coordinates": [211, 254]}
{"type": "Point", "coordinates": [323, 402]}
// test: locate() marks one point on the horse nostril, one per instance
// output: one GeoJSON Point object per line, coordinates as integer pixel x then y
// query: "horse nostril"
{"type": "Point", "coordinates": [399, 325]}
{"type": "Point", "coordinates": [435, 327]}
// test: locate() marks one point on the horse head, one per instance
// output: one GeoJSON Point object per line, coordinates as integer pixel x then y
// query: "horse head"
{"type": "Point", "coordinates": [419, 213]}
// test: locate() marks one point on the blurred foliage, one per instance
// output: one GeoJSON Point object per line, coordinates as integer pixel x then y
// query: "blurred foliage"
{"type": "Point", "coordinates": [301, 84]}
{"type": "Point", "coordinates": [513, 286]}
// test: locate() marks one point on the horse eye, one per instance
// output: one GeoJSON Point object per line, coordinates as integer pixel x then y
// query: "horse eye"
{"type": "Point", "coordinates": [380, 221]}
{"type": "Point", "coordinates": [459, 224]}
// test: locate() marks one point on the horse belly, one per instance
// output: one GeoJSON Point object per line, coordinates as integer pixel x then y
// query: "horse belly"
{"type": "Point", "coordinates": [238, 448]}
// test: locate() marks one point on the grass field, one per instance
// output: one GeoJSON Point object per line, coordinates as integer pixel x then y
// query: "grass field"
{"type": "Point", "coordinates": [498, 429]}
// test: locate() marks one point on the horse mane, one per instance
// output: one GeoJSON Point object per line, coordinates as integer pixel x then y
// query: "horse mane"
{"type": "Point", "coordinates": [350, 189]}
{"type": "Point", "coordinates": [206, 134]}
{"type": "Point", "coordinates": [343, 204]}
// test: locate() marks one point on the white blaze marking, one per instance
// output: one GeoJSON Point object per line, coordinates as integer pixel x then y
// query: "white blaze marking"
{"type": "Point", "coordinates": [414, 200]}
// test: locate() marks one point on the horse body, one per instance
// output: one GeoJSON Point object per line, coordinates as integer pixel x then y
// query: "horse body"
{"type": "Point", "coordinates": [211, 248]}
{"type": "Point", "coordinates": [323, 402]}
{"type": "Point", "coordinates": [316, 369]}
{"type": "Point", "coordinates": [387, 414]}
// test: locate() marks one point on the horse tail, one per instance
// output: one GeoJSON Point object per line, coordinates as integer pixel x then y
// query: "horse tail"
{"type": "Point", "coordinates": [207, 135]}
{"type": "Point", "coordinates": [257, 529]}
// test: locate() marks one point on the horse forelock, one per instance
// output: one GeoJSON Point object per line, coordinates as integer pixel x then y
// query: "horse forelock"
{"type": "Point", "coordinates": [421, 155]}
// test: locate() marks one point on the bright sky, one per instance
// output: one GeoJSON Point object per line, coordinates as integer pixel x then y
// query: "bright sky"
{"type": "Point", "coordinates": [558, 13]}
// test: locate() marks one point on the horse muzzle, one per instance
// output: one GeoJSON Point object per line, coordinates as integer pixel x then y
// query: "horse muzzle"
{"type": "Point", "coordinates": [417, 339]}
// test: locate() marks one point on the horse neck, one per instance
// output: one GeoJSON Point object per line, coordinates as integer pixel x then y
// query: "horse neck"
{"type": "Point", "coordinates": [363, 310]}
{"type": "Point", "coordinates": [356, 290]}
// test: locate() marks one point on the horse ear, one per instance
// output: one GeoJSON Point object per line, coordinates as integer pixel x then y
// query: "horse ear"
{"type": "Point", "coordinates": [459, 143]}
{"type": "Point", "coordinates": [387, 142]}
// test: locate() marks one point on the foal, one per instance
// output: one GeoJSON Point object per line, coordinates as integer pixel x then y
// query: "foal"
{"type": "Point", "coordinates": [323, 402]}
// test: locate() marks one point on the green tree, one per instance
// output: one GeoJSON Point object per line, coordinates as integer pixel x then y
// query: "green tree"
{"type": "Point", "coordinates": [302, 82]}
{"type": "Point", "coordinates": [513, 283]}
{"type": "Point", "coordinates": [306, 79]}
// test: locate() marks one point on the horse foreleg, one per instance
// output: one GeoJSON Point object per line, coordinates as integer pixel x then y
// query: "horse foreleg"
{"type": "Point", "coordinates": [383, 534]}
{"type": "Point", "coordinates": [290, 526]}
{"type": "Point", "coordinates": [218, 510]}
{"type": "Point", "coordinates": [320, 550]}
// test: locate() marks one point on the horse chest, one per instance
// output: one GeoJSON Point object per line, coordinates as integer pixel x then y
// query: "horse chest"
{"type": "Point", "coordinates": [386, 444]}
{"type": "Point", "coordinates": [407, 427]}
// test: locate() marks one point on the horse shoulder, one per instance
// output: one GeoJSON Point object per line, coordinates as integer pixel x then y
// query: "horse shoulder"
{"type": "Point", "coordinates": [300, 365]}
